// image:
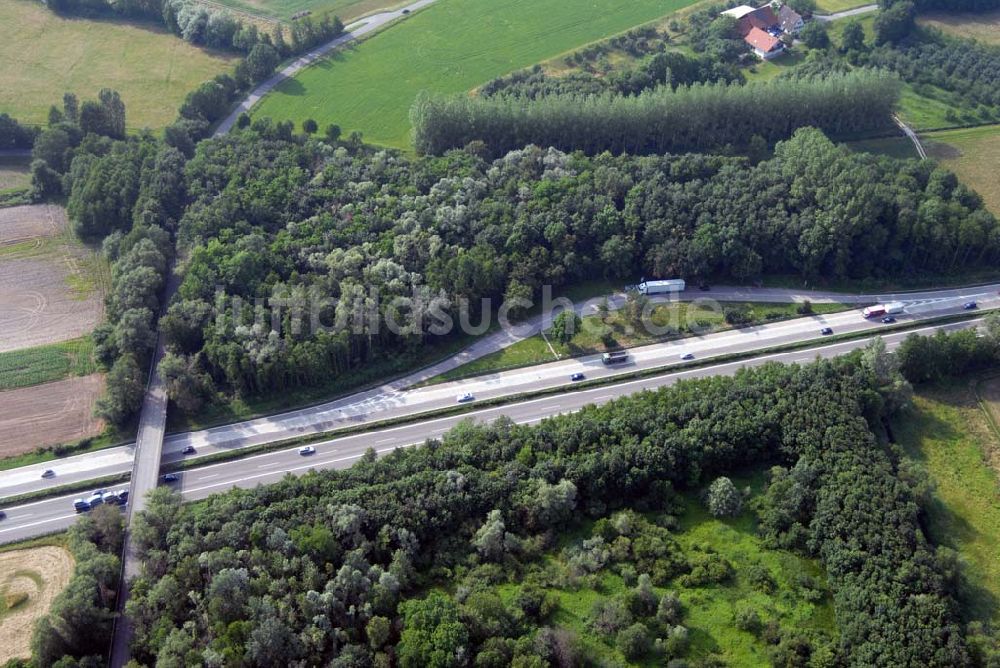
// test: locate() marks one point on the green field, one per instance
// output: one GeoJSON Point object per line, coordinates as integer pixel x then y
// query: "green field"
{"type": "Point", "coordinates": [973, 154]}
{"type": "Point", "coordinates": [45, 55]}
{"type": "Point", "coordinates": [950, 435]}
{"type": "Point", "coordinates": [14, 174]}
{"type": "Point", "coordinates": [833, 6]}
{"type": "Point", "coordinates": [44, 364]}
{"type": "Point", "coordinates": [681, 318]}
{"type": "Point", "coordinates": [283, 10]}
{"type": "Point", "coordinates": [450, 47]}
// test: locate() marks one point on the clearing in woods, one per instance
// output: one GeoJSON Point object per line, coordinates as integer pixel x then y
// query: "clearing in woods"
{"type": "Point", "coordinates": [46, 55]}
{"type": "Point", "coordinates": [29, 581]}
{"type": "Point", "coordinates": [49, 414]}
{"type": "Point", "coordinates": [450, 47]}
{"type": "Point", "coordinates": [51, 285]}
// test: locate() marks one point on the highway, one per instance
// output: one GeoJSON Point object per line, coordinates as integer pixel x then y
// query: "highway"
{"type": "Point", "coordinates": [32, 519]}
{"type": "Point", "coordinates": [394, 400]}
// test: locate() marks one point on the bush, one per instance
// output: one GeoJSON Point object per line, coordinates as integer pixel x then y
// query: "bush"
{"type": "Point", "coordinates": [634, 642]}
{"type": "Point", "coordinates": [723, 499]}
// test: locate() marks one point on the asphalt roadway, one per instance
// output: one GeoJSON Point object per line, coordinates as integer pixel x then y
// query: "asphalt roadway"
{"type": "Point", "coordinates": [54, 514]}
{"type": "Point", "coordinates": [393, 400]}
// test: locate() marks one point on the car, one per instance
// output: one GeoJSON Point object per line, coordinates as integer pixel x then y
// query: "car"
{"type": "Point", "coordinates": [80, 505]}
{"type": "Point", "coordinates": [826, 331]}
{"type": "Point", "coordinates": [188, 450]}
{"type": "Point", "coordinates": [48, 473]}
{"type": "Point", "coordinates": [3, 515]}
{"type": "Point", "coordinates": [687, 356]}
{"type": "Point", "coordinates": [968, 306]}
{"type": "Point", "coordinates": [110, 498]}
{"type": "Point", "coordinates": [122, 496]}
{"type": "Point", "coordinates": [577, 376]}
{"type": "Point", "coordinates": [307, 450]}
{"type": "Point", "coordinates": [462, 398]}
{"type": "Point", "coordinates": [170, 477]}
{"type": "Point", "coordinates": [96, 499]}
{"type": "Point", "coordinates": [888, 320]}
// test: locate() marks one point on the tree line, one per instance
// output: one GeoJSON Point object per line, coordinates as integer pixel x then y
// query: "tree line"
{"type": "Point", "coordinates": [13, 135]}
{"type": "Point", "coordinates": [335, 567]}
{"type": "Point", "coordinates": [696, 117]}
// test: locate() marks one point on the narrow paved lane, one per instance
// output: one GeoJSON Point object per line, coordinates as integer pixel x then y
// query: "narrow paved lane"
{"type": "Point", "coordinates": [357, 29]}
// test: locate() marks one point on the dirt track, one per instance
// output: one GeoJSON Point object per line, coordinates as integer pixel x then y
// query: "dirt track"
{"type": "Point", "coordinates": [48, 414]}
{"type": "Point", "coordinates": [49, 283]}
{"type": "Point", "coordinates": [39, 573]}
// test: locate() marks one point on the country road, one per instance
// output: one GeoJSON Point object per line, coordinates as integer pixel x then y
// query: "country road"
{"type": "Point", "coordinates": [352, 32]}
{"type": "Point", "coordinates": [847, 13]}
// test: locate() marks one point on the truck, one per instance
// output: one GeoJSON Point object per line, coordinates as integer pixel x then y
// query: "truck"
{"type": "Point", "coordinates": [660, 287]}
{"type": "Point", "coordinates": [878, 310]}
{"type": "Point", "coordinates": [615, 357]}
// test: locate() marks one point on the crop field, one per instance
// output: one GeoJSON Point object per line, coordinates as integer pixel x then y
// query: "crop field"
{"type": "Point", "coordinates": [46, 55]}
{"type": "Point", "coordinates": [29, 581]}
{"type": "Point", "coordinates": [44, 364]}
{"type": "Point", "coordinates": [981, 26]}
{"type": "Point", "coordinates": [973, 154]}
{"type": "Point", "coordinates": [51, 285]}
{"type": "Point", "coordinates": [49, 414]}
{"type": "Point", "coordinates": [450, 47]}
{"type": "Point", "coordinates": [951, 435]}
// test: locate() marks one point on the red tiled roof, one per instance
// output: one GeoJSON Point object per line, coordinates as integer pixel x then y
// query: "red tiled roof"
{"type": "Point", "coordinates": [761, 40]}
{"type": "Point", "coordinates": [762, 17]}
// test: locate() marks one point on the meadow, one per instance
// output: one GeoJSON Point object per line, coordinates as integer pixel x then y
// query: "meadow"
{"type": "Point", "coordinates": [952, 434]}
{"type": "Point", "coordinates": [450, 47]}
{"type": "Point", "coordinates": [46, 55]}
{"type": "Point", "coordinates": [283, 10]}
{"type": "Point", "coordinates": [29, 581]}
{"type": "Point", "coordinates": [973, 154]}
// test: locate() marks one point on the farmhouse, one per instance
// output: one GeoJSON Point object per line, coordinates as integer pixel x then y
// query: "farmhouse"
{"type": "Point", "coordinates": [790, 20]}
{"type": "Point", "coordinates": [761, 28]}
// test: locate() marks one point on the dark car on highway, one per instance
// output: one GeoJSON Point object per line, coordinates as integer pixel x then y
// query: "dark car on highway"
{"type": "Point", "coordinates": [826, 331]}
{"type": "Point", "coordinates": [577, 376]}
{"type": "Point", "coordinates": [888, 320]}
{"type": "Point", "coordinates": [968, 306]}
{"type": "Point", "coordinates": [170, 477]}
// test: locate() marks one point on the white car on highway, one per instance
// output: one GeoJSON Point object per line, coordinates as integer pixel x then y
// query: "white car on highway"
{"type": "Point", "coordinates": [462, 398]}
{"type": "Point", "coordinates": [307, 450]}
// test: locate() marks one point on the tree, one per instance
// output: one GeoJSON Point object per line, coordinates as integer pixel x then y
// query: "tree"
{"type": "Point", "coordinates": [123, 396]}
{"type": "Point", "coordinates": [261, 61]}
{"type": "Point", "coordinates": [565, 326]}
{"type": "Point", "coordinates": [853, 37]}
{"type": "Point", "coordinates": [53, 146]}
{"type": "Point", "coordinates": [243, 120]}
{"type": "Point", "coordinates": [604, 309]}
{"type": "Point", "coordinates": [489, 539]}
{"type": "Point", "coordinates": [815, 35]}
{"type": "Point", "coordinates": [895, 23]}
{"type": "Point", "coordinates": [187, 386]}
{"type": "Point", "coordinates": [433, 635]}
{"type": "Point", "coordinates": [309, 126]}
{"type": "Point", "coordinates": [333, 133]}
{"type": "Point", "coordinates": [634, 641]}
{"type": "Point", "coordinates": [723, 499]}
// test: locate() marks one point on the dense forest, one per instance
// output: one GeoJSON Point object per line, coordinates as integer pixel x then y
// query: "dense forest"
{"type": "Point", "coordinates": [292, 219]}
{"type": "Point", "coordinates": [690, 118]}
{"type": "Point", "coordinates": [335, 567]}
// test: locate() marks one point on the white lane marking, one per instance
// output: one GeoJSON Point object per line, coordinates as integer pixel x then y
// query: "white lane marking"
{"type": "Point", "coordinates": [34, 524]}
